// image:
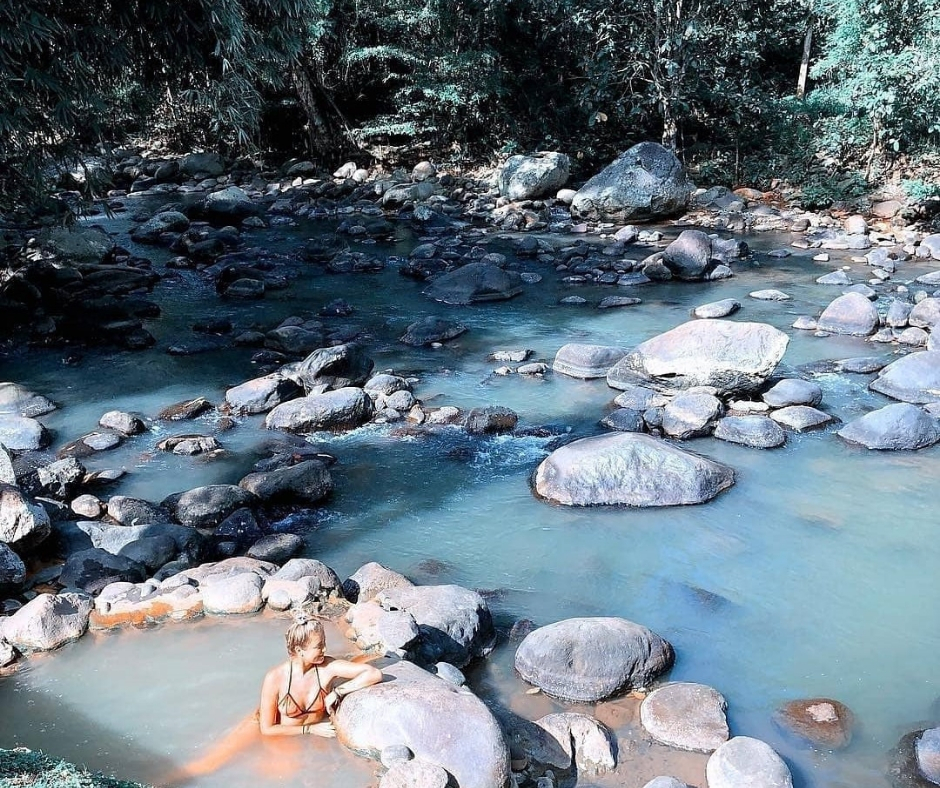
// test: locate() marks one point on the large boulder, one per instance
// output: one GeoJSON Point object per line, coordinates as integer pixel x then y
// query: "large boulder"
{"type": "Point", "coordinates": [134, 511]}
{"type": "Point", "coordinates": [115, 538]}
{"type": "Point", "coordinates": [689, 256]}
{"type": "Point", "coordinates": [21, 433]}
{"type": "Point", "coordinates": [743, 762]}
{"type": "Point", "coordinates": [20, 401]}
{"type": "Point", "coordinates": [587, 361]}
{"type": "Point", "coordinates": [645, 182]}
{"type": "Point", "coordinates": [900, 426]}
{"type": "Point", "coordinates": [343, 409]}
{"type": "Point", "coordinates": [529, 177]}
{"type": "Point", "coordinates": [206, 507]}
{"type": "Point", "coordinates": [91, 570]}
{"type": "Point", "coordinates": [262, 394]}
{"type": "Point", "coordinates": [473, 283]}
{"type": "Point", "coordinates": [307, 481]}
{"type": "Point", "coordinates": [729, 356]}
{"type": "Point", "coordinates": [23, 525]}
{"type": "Point", "coordinates": [229, 204]}
{"type": "Point", "coordinates": [371, 578]}
{"type": "Point", "coordinates": [589, 659]}
{"type": "Point", "coordinates": [629, 469]}
{"type": "Point", "coordinates": [687, 716]}
{"type": "Point", "coordinates": [334, 367]}
{"type": "Point", "coordinates": [201, 164]}
{"type": "Point", "coordinates": [914, 378]}
{"type": "Point", "coordinates": [440, 723]}
{"type": "Point", "coordinates": [47, 622]}
{"type": "Point", "coordinates": [851, 314]}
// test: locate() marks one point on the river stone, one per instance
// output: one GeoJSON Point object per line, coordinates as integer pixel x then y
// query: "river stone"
{"type": "Point", "coordinates": [61, 479]}
{"type": "Point", "coordinates": [17, 400]}
{"type": "Point", "coordinates": [410, 192]}
{"type": "Point", "coordinates": [431, 330]}
{"type": "Point", "coordinates": [342, 409]}
{"type": "Point", "coordinates": [689, 255]}
{"type": "Point", "coordinates": [236, 595]}
{"type": "Point", "coordinates": [743, 762]}
{"type": "Point", "coordinates": [385, 385]}
{"type": "Point", "coordinates": [307, 481]}
{"type": "Point", "coordinates": [800, 418]}
{"type": "Point", "coordinates": [79, 244]}
{"type": "Point", "coordinates": [206, 574]}
{"type": "Point", "coordinates": [442, 724]}
{"type": "Point", "coordinates": [587, 361]}
{"type": "Point", "coordinates": [717, 309]}
{"type": "Point", "coordinates": [898, 313]}
{"type": "Point", "coordinates": [321, 581]}
{"type": "Point", "coordinates": [134, 511]}
{"type": "Point", "coordinates": [491, 420]}
{"type": "Point", "coordinates": [229, 204]}
{"type": "Point", "coordinates": [450, 673]}
{"type": "Point", "coordinates": [900, 426]}
{"type": "Point", "coordinates": [624, 420]}
{"type": "Point", "coordinates": [793, 391]}
{"type": "Point", "coordinates": [925, 314]}
{"type": "Point", "coordinates": [729, 356]}
{"type": "Point", "coordinates": [187, 409]}
{"type": "Point", "coordinates": [293, 340]}
{"type": "Point", "coordinates": [262, 394]}
{"type": "Point", "coordinates": [160, 223]}
{"type": "Point", "coordinates": [454, 623]}
{"type": "Point", "coordinates": [914, 337]}
{"type": "Point", "coordinates": [125, 423]}
{"type": "Point", "coordinates": [371, 578]}
{"type": "Point", "coordinates": [415, 774]}
{"type": "Point", "coordinates": [645, 182]}
{"type": "Point", "coordinates": [276, 548]}
{"type": "Point", "coordinates": [240, 527]}
{"type": "Point", "coordinates": [567, 737]}
{"type": "Point", "coordinates": [7, 473]}
{"type": "Point", "coordinates": [914, 378]}
{"type": "Point", "coordinates": [47, 622]}
{"type": "Point", "coordinates": [590, 659]}
{"type": "Point", "coordinates": [373, 628]}
{"type": "Point", "coordinates": [691, 414]}
{"type": "Point", "coordinates": [90, 444]}
{"type": "Point", "coordinates": [759, 432]}
{"type": "Point", "coordinates": [631, 469]}
{"type": "Point", "coordinates": [206, 507]}
{"type": "Point", "coordinates": [687, 716]}
{"type": "Point", "coordinates": [7, 653]}
{"type": "Point", "coordinates": [770, 295]}
{"type": "Point", "coordinates": [819, 721]}
{"type": "Point", "coordinates": [20, 433]}
{"type": "Point", "coordinates": [838, 277]}
{"type": "Point", "coordinates": [665, 782]}
{"type": "Point", "coordinates": [12, 568]}
{"type": "Point", "coordinates": [851, 314]}
{"type": "Point", "coordinates": [337, 367]}
{"type": "Point", "coordinates": [151, 551]}
{"type": "Point", "coordinates": [473, 283]}
{"type": "Point", "coordinates": [114, 538]}
{"type": "Point", "coordinates": [530, 177]}
{"type": "Point", "coordinates": [640, 398]}
{"type": "Point", "coordinates": [201, 164]}
{"type": "Point", "coordinates": [927, 753]}
{"type": "Point", "coordinates": [139, 604]}
{"type": "Point", "coordinates": [91, 570]}
{"type": "Point", "coordinates": [23, 525]}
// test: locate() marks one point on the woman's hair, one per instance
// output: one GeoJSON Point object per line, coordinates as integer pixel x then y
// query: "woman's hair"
{"type": "Point", "coordinates": [300, 633]}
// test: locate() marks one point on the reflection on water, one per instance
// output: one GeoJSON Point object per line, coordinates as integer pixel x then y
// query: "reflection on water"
{"type": "Point", "coordinates": [813, 575]}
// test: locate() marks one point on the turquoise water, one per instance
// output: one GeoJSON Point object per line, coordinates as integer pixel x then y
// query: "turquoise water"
{"type": "Point", "coordinates": [814, 575]}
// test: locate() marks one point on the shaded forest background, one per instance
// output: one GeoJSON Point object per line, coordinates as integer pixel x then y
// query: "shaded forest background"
{"type": "Point", "coordinates": [470, 81]}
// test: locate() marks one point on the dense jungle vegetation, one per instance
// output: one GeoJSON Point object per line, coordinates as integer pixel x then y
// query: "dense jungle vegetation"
{"type": "Point", "coordinates": [835, 94]}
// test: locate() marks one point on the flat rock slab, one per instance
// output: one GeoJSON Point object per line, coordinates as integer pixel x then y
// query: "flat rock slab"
{"type": "Point", "coordinates": [800, 418]}
{"type": "Point", "coordinates": [900, 426]}
{"type": "Point", "coordinates": [756, 431]}
{"type": "Point", "coordinates": [587, 361]}
{"type": "Point", "coordinates": [589, 659]}
{"type": "Point", "coordinates": [473, 283]}
{"type": "Point", "coordinates": [914, 378]}
{"type": "Point", "coordinates": [743, 762]}
{"type": "Point", "coordinates": [717, 309]}
{"type": "Point", "coordinates": [629, 469]}
{"type": "Point", "coordinates": [687, 716]}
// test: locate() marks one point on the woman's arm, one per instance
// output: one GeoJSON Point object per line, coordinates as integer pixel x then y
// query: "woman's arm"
{"type": "Point", "coordinates": [270, 717]}
{"type": "Point", "coordinates": [358, 676]}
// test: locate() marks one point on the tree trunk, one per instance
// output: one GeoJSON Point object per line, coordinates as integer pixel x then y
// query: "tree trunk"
{"type": "Point", "coordinates": [804, 63]}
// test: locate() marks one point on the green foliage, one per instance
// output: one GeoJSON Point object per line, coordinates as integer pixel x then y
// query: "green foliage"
{"type": "Point", "coordinates": [919, 190]}
{"type": "Point", "coordinates": [22, 768]}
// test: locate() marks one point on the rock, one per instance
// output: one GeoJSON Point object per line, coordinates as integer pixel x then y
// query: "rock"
{"type": "Point", "coordinates": [589, 659]}
{"type": "Point", "coordinates": [587, 361]}
{"type": "Point", "coordinates": [158, 225]}
{"type": "Point", "coordinates": [691, 414]}
{"type": "Point", "coordinates": [90, 444]}
{"type": "Point", "coordinates": [640, 398]}
{"type": "Point", "coordinates": [91, 570]}
{"type": "Point", "coordinates": [337, 367]}
{"type": "Point", "coordinates": [134, 511]}
{"type": "Point", "coordinates": [342, 409]}
{"type": "Point", "coordinates": [474, 283]}
{"type": "Point", "coordinates": [307, 481]}
{"type": "Point", "coordinates": [125, 423]}
{"type": "Point", "coordinates": [665, 782]}
{"type": "Point", "coordinates": [645, 182]}
{"type": "Point", "coordinates": [450, 673]}
{"type": "Point", "coordinates": [759, 432]}
{"type": "Point", "coordinates": [440, 723]}
{"type": "Point", "coordinates": [206, 507]}
{"type": "Point", "coordinates": [851, 314]}
{"type": "Point", "coordinates": [12, 568]}
{"type": "Point", "coordinates": [115, 538]}
{"type": "Point", "coordinates": [422, 171]}
{"type": "Point", "coordinates": [530, 177]}
{"type": "Point", "coordinates": [262, 394]}
{"type": "Point", "coordinates": [793, 391]}
{"type": "Point", "coordinates": [7, 473]}
{"type": "Point", "coordinates": [239, 527]}
{"type": "Point", "coordinates": [898, 313]}
{"type": "Point", "coordinates": [369, 579]}
{"type": "Point", "coordinates": [770, 295]}
{"type": "Point", "coordinates": [821, 722]}
{"type": "Point", "coordinates": [209, 164]}
{"type": "Point", "coordinates": [895, 427]}
{"type": "Point", "coordinates": [925, 314]}
{"type": "Point", "coordinates": [236, 595]}
{"type": "Point", "coordinates": [62, 478]}
{"type": "Point", "coordinates": [689, 255]}
{"type": "Point", "coordinates": [16, 400]}
{"type": "Point", "coordinates": [927, 753]}
{"type": "Point", "coordinates": [20, 433]}
{"type": "Point", "coordinates": [79, 244]}
{"type": "Point", "coordinates": [491, 420]}
{"type": "Point", "coordinates": [405, 193]}
{"type": "Point", "coordinates": [141, 604]}
{"type": "Point", "coordinates": [187, 409]}
{"type": "Point", "coordinates": [87, 506]}
{"type": "Point", "coordinates": [431, 330]}
{"type": "Point", "coordinates": [299, 582]}
{"type": "Point", "coordinates": [294, 340]}
{"type": "Point", "coordinates": [245, 288]}
{"type": "Point", "coordinates": [800, 418]}
{"type": "Point", "coordinates": [743, 762]}
{"type": "Point", "coordinates": [624, 420]}
{"type": "Point", "coordinates": [47, 622]}
{"type": "Point", "coordinates": [838, 277]}
{"type": "Point", "coordinates": [7, 654]}
{"type": "Point", "coordinates": [385, 385]}
{"type": "Point", "coordinates": [23, 525]}
{"type": "Point", "coordinates": [729, 356]}
{"type": "Point", "coordinates": [687, 716]}
{"type": "Point", "coordinates": [276, 548]}
{"type": "Point", "coordinates": [373, 628]}
{"type": "Point", "coordinates": [573, 739]}
{"type": "Point", "coordinates": [151, 552]}
{"type": "Point", "coordinates": [914, 378]}
{"type": "Point", "coordinates": [415, 774]}
{"type": "Point", "coordinates": [717, 309]}
{"type": "Point", "coordinates": [615, 302]}
{"type": "Point", "coordinates": [190, 445]}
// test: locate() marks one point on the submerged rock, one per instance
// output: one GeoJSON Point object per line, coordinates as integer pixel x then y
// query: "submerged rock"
{"type": "Point", "coordinates": [587, 361]}
{"type": "Point", "coordinates": [687, 716]}
{"type": "Point", "coordinates": [473, 283]}
{"type": "Point", "coordinates": [430, 331]}
{"type": "Point", "coordinates": [914, 378]}
{"type": "Point", "coordinates": [819, 721]}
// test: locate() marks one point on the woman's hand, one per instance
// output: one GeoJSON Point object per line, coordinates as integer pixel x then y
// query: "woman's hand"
{"type": "Point", "coordinates": [331, 701]}
{"type": "Point", "coordinates": [324, 729]}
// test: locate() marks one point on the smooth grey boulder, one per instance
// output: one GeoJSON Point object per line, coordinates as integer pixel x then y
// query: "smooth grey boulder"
{"type": "Point", "coordinates": [925, 314]}
{"type": "Point", "coordinates": [743, 762]}
{"type": "Point", "coordinates": [759, 432]}
{"type": "Point", "coordinates": [12, 568]}
{"type": "Point", "coordinates": [589, 659]}
{"type": "Point", "coordinates": [309, 481]}
{"type": "Point", "coordinates": [152, 552]}
{"type": "Point", "coordinates": [821, 722]}
{"type": "Point", "coordinates": [276, 548]}
{"type": "Point", "coordinates": [645, 182]}
{"type": "Point", "coordinates": [441, 724]}
{"type": "Point", "coordinates": [898, 313]}
{"type": "Point", "coordinates": [91, 570]}
{"type": "Point", "coordinates": [717, 309]}
{"type": "Point", "coordinates": [114, 538]}
{"type": "Point", "coordinates": [914, 378]}
{"type": "Point", "coordinates": [530, 177]}
{"type": "Point", "coordinates": [927, 753]}
{"type": "Point", "coordinates": [385, 385]}
{"type": "Point", "coordinates": [410, 192]}
{"type": "Point", "coordinates": [474, 283]}
{"type": "Point", "coordinates": [691, 414]}
{"type": "Point", "coordinates": [793, 391]}
{"type": "Point", "coordinates": [415, 774]}
{"type": "Point", "coordinates": [125, 423]}
{"type": "Point", "coordinates": [689, 256]}
{"type": "Point", "coordinates": [629, 469]}
{"type": "Point", "coordinates": [134, 511]}
{"type": "Point", "coordinates": [371, 578]}
{"type": "Point", "coordinates": [389, 632]}
{"type": "Point", "coordinates": [335, 411]}
{"type": "Point", "coordinates": [838, 277]}
{"type": "Point", "coordinates": [567, 739]}
{"type": "Point", "coordinates": [300, 581]}
{"type": "Point", "coordinates": [7, 473]}
{"type": "Point", "coordinates": [23, 525]}
{"type": "Point", "coordinates": [206, 507]}
{"type": "Point", "coordinates": [262, 394]}
{"type": "Point", "coordinates": [586, 361]}
{"type": "Point", "coordinates": [17, 400]}
{"type": "Point", "coordinates": [151, 231]}
{"type": "Point", "coordinates": [491, 420]}
{"type": "Point", "coordinates": [47, 622]}
{"type": "Point", "coordinates": [729, 356]}
{"type": "Point", "coordinates": [201, 164]}
{"type": "Point", "coordinates": [230, 204]}
{"type": "Point", "coordinates": [900, 426]}
{"type": "Point", "coordinates": [454, 623]}
{"type": "Point", "coordinates": [20, 433]}
{"type": "Point", "coordinates": [337, 367]}
{"type": "Point", "coordinates": [239, 594]}
{"type": "Point", "coordinates": [431, 331]}
{"type": "Point", "coordinates": [190, 445]}
{"type": "Point", "coordinates": [665, 782]}
{"type": "Point", "coordinates": [687, 716]}
{"type": "Point", "coordinates": [852, 314]}
{"type": "Point", "coordinates": [800, 418]}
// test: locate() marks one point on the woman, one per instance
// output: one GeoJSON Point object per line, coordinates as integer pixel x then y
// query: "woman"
{"type": "Point", "coordinates": [298, 696]}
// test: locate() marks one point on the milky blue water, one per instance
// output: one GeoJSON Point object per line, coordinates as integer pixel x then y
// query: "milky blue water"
{"type": "Point", "coordinates": [815, 575]}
